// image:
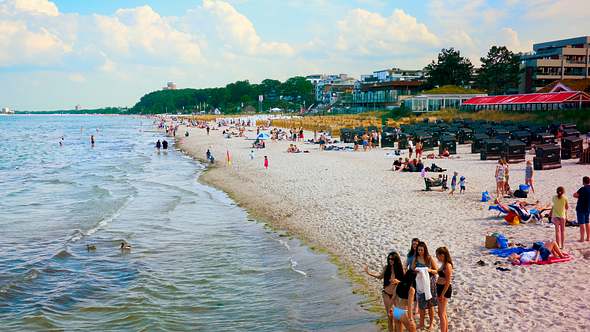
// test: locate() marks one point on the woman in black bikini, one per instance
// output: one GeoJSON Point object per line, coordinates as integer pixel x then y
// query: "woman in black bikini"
{"type": "Point", "coordinates": [402, 310]}
{"type": "Point", "coordinates": [443, 285]}
{"type": "Point", "coordinates": [392, 274]}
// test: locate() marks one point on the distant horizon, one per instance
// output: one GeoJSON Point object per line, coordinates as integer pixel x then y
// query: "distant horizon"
{"type": "Point", "coordinates": [62, 53]}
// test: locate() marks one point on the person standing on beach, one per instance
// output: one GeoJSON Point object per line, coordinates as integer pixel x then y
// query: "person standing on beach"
{"type": "Point", "coordinates": [506, 177]}
{"type": "Point", "coordinates": [559, 215]}
{"type": "Point", "coordinates": [499, 179]}
{"type": "Point", "coordinates": [251, 155]}
{"type": "Point", "coordinates": [419, 147]}
{"type": "Point", "coordinates": [528, 175]}
{"type": "Point", "coordinates": [462, 185]}
{"type": "Point", "coordinates": [391, 274]}
{"type": "Point", "coordinates": [165, 144]}
{"type": "Point", "coordinates": [583, 208]}
{"type": "Point", "coordinates": [207, 128]}
{"type": "Point", "coordinates": [424, 260]}
{"type": "Point", "coordinates": [443, 285]}
{"type": "Point", "coordinates": [410, 148]}
{"type": "Point", "coordinates": [265, 162]}
{"type": "Point", "coordinates": [453, 182]}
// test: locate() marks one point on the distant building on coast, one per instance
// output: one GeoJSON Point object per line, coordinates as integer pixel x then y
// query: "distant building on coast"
{"type": "Point", "coordinates": [170, 86]}
{"type": "Point", "coordinates": [331, 88]}
{"type": "Point", "coordinates": [566, 59]}
{"type": "Point", "coordinates": [78, 107]}
{"type": "Point", "coordinates": [6, 110]}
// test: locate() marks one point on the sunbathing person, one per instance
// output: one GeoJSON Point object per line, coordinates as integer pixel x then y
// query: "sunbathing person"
{"type": "Point", "coordinates": [542, 252]}
{"type": "Point", "coordinates": [445, 153]}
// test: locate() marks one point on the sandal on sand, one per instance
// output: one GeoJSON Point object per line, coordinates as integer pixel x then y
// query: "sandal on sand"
{"type": "Point", "coordinates": [498, 262]}
{"type": "Point", "coordinates": [503, 269]}
{"type": "Point", "coordinates": [481, 263]}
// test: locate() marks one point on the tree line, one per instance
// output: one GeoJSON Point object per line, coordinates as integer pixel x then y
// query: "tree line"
{"type": "Point", "coordinates": [499, 72]}
{"type": "Point", "coordinates": [233, 98]}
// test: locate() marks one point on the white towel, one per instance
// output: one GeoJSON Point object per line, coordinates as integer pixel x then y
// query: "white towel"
{"type": "Point", "coordinates": [423, 282]}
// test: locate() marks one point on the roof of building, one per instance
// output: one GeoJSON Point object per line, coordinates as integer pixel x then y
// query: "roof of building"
{"type": "Point", "coordinates": [567, 85]}
{"type": "Point", "coordinates": [451, 90]}
{"type": "Point", "coordinates": [380, 85]}
{"type": "Point", "coordinates": [531, 98]}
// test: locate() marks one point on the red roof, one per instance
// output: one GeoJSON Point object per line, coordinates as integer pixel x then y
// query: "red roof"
{"type": "Point", "coordinates": [531, 98]}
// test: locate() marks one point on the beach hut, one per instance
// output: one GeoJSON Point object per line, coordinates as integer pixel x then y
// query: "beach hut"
{"type": "Point", "coordinates": [547, 157]}
{"type": "Point", "coordinates": [571, 147]}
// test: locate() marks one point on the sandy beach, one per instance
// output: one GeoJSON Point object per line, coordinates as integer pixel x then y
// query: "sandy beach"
{"type": "Point", "coordinates": [353, 205]}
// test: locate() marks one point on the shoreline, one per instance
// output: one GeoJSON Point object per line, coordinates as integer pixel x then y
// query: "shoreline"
{"type": "Point", "coordinates": [320, 199]}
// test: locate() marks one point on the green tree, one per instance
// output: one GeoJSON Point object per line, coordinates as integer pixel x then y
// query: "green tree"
{"type": "Point", "coordinates": [449, 69]}
{"type": "Point", "coordinates": [499, 72]}
{"type": "Point", "coordinates": [298, 88]}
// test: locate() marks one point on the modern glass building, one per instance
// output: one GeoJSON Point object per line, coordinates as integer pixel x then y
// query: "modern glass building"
{"type": "Point", "coordinates": [436, 102]}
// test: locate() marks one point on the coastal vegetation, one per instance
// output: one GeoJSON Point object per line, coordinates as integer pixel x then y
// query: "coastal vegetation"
{"type": "Point", "coordinates": [236, 97]}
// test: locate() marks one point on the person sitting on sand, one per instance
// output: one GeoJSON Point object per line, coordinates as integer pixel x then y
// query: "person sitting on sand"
{"type": "Point", "coordinates": [391, 274]}
{"type": "Point", "coordinates": [541, 252]}
{"type": "Point", "coordinates": [445, 153]}
{"type": "Point", "coordinates": [397, 165]}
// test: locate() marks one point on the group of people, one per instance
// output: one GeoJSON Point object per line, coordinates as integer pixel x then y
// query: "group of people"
{"type": "Point", "coordinates": [559, 211]}
{"type": "Point", "coordinates": [502, 175]}
{"type": "Point", "coordinates": [367, 140]}
{"type": "Point", "coordinates": [293, 149]}
{"type": "Point", "coordinates": [162, 145]}
{"type": "Point", "coordinates": [414, 165]}
{"type": "Point", "coordinates": [417, 286]}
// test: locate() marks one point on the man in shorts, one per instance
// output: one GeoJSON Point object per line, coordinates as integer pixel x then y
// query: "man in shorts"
{"type": "Point", "coordinates": [583, 208]}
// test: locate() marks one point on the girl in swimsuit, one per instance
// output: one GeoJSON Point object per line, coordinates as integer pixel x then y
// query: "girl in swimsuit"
{"type": "Point", "coordinates": [500, 179]}
{"type": "Point", "coordinates": [443, 285]}
{"type": "Point", "coordinates": [391, 274]}
{"type": "Point", "coordinates": [402, 311]}
{"type": "Point", "coordinates": [423, 259]}
{"type": "Point", "coordinates": [410, 259]}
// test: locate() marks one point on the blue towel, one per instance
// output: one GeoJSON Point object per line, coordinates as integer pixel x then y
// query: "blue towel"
{"type": "Point", "coordinates": [509, 251]}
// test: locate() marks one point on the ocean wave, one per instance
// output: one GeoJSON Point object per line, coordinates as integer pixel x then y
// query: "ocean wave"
{"type": "Point", "coordinates": [62, 254]}
{"type": "Point", "coordinates": [294, 265]}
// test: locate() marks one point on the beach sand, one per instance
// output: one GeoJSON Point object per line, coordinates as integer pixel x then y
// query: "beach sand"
{"type": "Point", "coordinates": [353, 205]}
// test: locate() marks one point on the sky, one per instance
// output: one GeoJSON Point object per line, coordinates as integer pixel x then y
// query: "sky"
{"type": "Point", "coordinates": [96, 53]}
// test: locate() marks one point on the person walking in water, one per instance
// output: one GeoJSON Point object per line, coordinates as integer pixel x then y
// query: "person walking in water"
{"type": "Point", "coordinates": [165, 144]}
{"type": "Point", "coordinates": [265, 162]}
{"type": "Point", "coordinates": [92, 140]}
{"type": "Point", "coordinates": [158, 145]}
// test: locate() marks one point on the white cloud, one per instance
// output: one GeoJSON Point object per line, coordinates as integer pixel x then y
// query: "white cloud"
{"type": "Point", "coordinates": [34, 7]}
{"type": "Point", "coordinates": [22, 46]}
{"type": "Point", "coordinates": [141, 32]}
{"type": "Point", "coordinates": [510, 39]}
{"type": "Point", "coordinates": [369, 33]}
{"type": "Point", "coordinates": [77, 77]}
{"type": "Point", "coordinates": [237, 31]}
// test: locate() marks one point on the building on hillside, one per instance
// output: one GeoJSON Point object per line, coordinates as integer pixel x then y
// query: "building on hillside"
{"type": "Point", "coordinates": [386, 94]}
{"type": "Point", "coordinates": [566, 59]}
{"type": "Point", "coordinates": [170, 86]}
{"type": "Point", "coordinates": [567, 85]}
{"type": "Point", "coordinates": [530, 102]}
{"type": "Point", "coordinates": [448, 96]}
{"type": "Point", "coordinates": [331, 88]}
{"type": "Point", "coordinates": [6, 110]}
{"type": "Point", "coordinates": [395, 74]}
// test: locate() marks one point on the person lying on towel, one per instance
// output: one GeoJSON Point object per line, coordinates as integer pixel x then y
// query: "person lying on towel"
{"type": "Point", "coordinates": [541, 252]}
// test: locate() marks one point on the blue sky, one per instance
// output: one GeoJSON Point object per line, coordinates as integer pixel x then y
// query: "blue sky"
{"type": "Point", "coordinates": [94, 53]}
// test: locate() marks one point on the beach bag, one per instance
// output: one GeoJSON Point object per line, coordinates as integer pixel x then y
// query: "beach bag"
{"type": "Point", "coordinates": [491, 242]}
{"type": "Point", "coordinates": [520, 194]}
{"type": "Point", "coordinates": [485, 196]}
{"type": "Point", "coordinates": [523, 187]}
{"type": "Point", "coordinates": [502, 241]}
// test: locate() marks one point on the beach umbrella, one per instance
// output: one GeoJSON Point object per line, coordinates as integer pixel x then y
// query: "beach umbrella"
{"type": "Point", "coordinates": [262, 136]}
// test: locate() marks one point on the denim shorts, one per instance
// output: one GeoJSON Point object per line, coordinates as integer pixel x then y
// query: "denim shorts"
{"type": "Point", "coordinates": [582, 217]}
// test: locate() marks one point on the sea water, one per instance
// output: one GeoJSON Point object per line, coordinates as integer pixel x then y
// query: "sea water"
{"type": "Point", "coordinates": [197, 262]}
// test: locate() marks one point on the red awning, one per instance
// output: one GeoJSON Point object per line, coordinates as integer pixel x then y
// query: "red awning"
{"type": "Point", "coordinates": [531, 98]}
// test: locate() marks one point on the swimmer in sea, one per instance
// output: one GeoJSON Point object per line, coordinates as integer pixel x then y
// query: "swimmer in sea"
{"type": "Point", "coordinates": [125, 246]}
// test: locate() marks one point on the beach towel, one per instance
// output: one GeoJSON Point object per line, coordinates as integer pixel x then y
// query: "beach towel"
{"type": "Point", "coordinates": [423, 282]}
{"type": "Point", "coordinates": [551, 260]}
{"type": "Point", "coordinates": [509, 251]}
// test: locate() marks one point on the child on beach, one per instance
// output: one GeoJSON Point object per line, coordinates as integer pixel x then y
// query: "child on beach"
{"type": "Point", "coordinates": [559, 215]}
{"type": "Point", "coordinates": [453, 183]}
{"type": "Point", "coordinates": [462, 184]}
{"type": "Point", "coordinates": [265, 162]}
{"type": "Point", "coordinates": [251, 154]}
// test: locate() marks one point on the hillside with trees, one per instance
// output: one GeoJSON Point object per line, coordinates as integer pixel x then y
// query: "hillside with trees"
{"type": "Point", "coordinates": [233, 98]}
